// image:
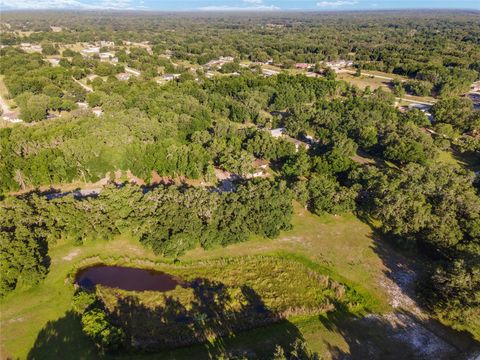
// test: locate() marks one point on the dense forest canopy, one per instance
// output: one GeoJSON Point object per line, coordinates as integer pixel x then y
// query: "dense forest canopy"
{"type": "Point", "coordinates": [434, 47]}
{"type": "Point", "coordinates": [336, 148]}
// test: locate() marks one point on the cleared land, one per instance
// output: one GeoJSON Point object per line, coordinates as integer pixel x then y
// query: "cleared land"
{"type": "Point", "coordinates": [27, 311]}
{"type": "Point", "coordinates": [377, 80]}
{"type": "Point", "coordinates": [38, 322]}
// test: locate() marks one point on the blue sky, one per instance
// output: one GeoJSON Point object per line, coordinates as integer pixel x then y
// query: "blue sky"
{"type": "Point", "coordinates": [232, 5]}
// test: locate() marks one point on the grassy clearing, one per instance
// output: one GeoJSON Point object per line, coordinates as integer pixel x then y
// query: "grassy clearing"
{"type": "Point", "coordinates": [470, 161]}
{"type": "Point", "coordinates": [230, 294]}
{"type": "Point", "coordinates": [340, 246]}
{"type": "Point", "coordinates": [363, 81]}
{"type": "Point", "coordinates": [285, 283]}
{"type": "Point", "coordinates": [342, 243]}
{"type": "Point", "coordinates": [375, 82]}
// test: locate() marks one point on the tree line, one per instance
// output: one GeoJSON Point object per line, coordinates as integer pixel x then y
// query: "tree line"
{"type": "Point", "coordinates": [168, 220]}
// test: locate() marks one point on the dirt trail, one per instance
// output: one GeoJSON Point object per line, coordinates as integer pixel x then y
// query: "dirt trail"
{"type": "Point", "coordinates": [87, 88]}
{"type": "Point", "coordinates": [412, 325]}
{"type": "Point", "coordinates": [4, 106]}
{"type": "Point", "coordinates": [407, 331]}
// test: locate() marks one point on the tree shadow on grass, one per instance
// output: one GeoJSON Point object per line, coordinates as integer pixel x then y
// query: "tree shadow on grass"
{"type": "Point", "coordinates": [62, 339]}
{"type": "Point", "coordinates": [218, 321]}
{"type": "Point", "coordinates": [215, 318]}
{"type": "Point", "coordinates": [400, 335]}
{"type": "Point", "coordinates": [401, 279]}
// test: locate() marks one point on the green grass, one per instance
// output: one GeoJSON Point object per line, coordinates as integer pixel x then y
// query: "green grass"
{"type": "Point", "coordinates": [284, 283]}
{"type": "Point", "coordinates": [363, 81]}
{"type": "Point", "coordinates": [469, 160]}
{"type": "Point", "coordinates": [237, 293]}
{"type": "Point", "coordinates": [340, 246]}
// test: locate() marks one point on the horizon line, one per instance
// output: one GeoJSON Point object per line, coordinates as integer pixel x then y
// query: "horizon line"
{"type": "Point", "coordinates": [226, 10]}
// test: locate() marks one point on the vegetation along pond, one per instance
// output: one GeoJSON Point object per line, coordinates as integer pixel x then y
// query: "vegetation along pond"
{"type": "Point", "coordinates": [126, 278]}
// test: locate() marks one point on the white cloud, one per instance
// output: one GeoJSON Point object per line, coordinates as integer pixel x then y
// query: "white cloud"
{"type": "Point", "coordinates": [249, 5]}
{"type": "Point", "coordinates": [69, 4]}
{"type": "Point", "coordinates": [240, 8]}
{"type": "Point", "coordinates": [336, 3]}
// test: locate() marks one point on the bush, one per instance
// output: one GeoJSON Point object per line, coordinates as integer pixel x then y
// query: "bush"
{"type": "Point", "coordinates": [96, 326]}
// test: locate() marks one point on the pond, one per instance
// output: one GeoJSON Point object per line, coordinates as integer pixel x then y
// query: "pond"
{"type": "Point", "coordinates": [126, 278]}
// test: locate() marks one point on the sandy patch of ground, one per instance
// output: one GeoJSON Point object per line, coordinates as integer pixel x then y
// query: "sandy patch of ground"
{"type": "Point", "coordinates": [420, 341]}
{"type": "Point", "coordinates": [71, 255]}
{"type": "Point", "coordinates": [19, 319]}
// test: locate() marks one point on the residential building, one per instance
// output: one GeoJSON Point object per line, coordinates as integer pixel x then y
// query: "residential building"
{"type": "Point", "coordinates": [123, 76]}
{"type": "Point", "coordinates": [219, 62]}
{"type": "Point", "coordinates": [90, 51]}
{"type": "Point", "coordinates": [106, 56]}
{"type": "Point", "coordinates": [97, 111]}
{"type": "Point", "coordinates": [297, 143]}
{"type": "Point", "coordinates": [278, 132]}
{"type": "Point", "coordinates": [170, 77]}
{"type": "Point", "coordinates": [54, 61]}
{"type": "Point", "coordinates": [82, 105]}
{"type": "Point", "coordinates": [302, 66]}
{"type": "Point", "coordinates": [107, 44]}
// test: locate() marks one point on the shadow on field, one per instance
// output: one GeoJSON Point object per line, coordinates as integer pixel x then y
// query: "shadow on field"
{"type": "Point", "coordinates": [215, 312]}
{"type": "Point", "coordinates": [416, 334]}
{"type": "Point", "coordinates": [217, 321]}
{"type": "Point", "coordinates": [398, 336]}
{"type": "Point", "coordinates": [62, 339]}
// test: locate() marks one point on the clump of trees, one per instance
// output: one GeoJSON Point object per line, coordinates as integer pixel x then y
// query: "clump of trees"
{"type": "Point", "coordinates": [95, 322]}
{"type": "Point", "coordinates": [187, 128]}
{"type": "Point", "coordinates": [169, 220]}
{"type": "Point", "coordinates": [457, 112]}
{"type": "Point", "coordinates": [435, 209]}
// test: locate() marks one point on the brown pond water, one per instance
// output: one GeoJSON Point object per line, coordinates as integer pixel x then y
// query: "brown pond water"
{"type": "Point", "coordinates": [126, 278]}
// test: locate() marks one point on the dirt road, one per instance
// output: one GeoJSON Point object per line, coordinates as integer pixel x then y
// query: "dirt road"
{"type": "Point", "coordinates": [4, 106]}
{"type": "Point", "coordinates": [87, 88]}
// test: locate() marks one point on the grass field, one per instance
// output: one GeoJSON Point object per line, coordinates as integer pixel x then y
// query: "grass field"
{"type": "Point", "coordinates": [340, 246]}
{"type": "Point", "coordinates": [375, 82]}
{"type": "Point", "coordinates": [469, 161]}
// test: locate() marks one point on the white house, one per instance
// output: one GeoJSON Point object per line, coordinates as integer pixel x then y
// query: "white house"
{"type": "Point", "coordinates": [278, 132]}
{"type": "Point", "coordinates": [90, 51]}
{"type": "Point", "coordinates": [97, 111]}
{"type": "Point", "coordinates": [54, 61]}
{"type": "Point", "coordinates": [170, 77]}
{"type": "Point", "coordinates": [106, 56]}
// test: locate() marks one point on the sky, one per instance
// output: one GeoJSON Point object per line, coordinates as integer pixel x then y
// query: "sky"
{"type": "Point", "coordinates": [236, 5]}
